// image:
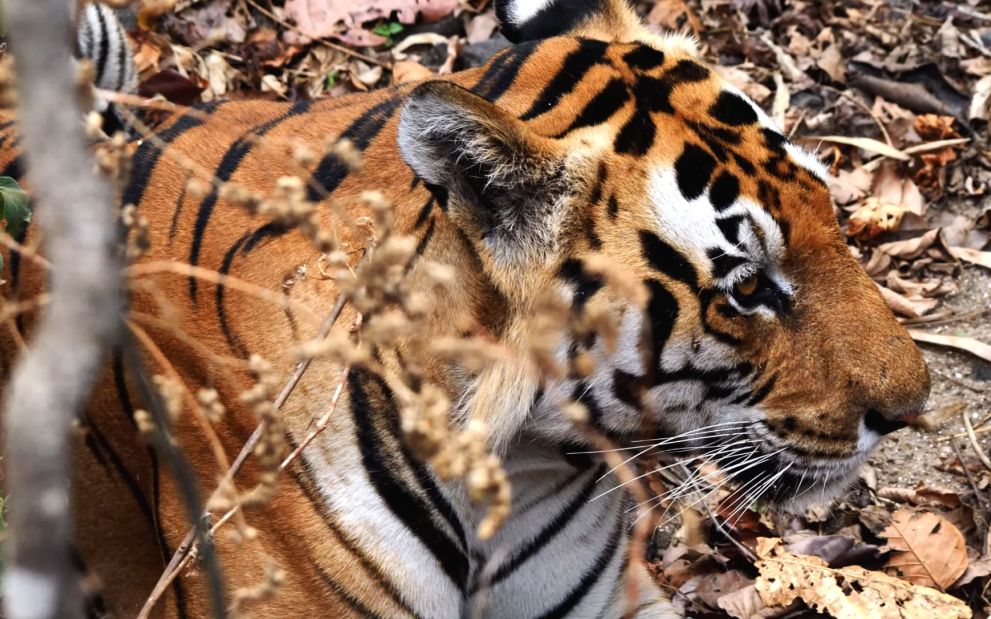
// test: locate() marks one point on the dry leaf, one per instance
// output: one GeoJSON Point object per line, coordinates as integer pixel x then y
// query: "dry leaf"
{"type": "Point", "coordinates": [831, 61]}
{"type": "Point", "coordinates": [481, 27]}
{"type": "Point", "coordinates": [868, 144]}
{"type": "Point", "coordinates": [966, 344]}
{"type": "Point", "coordinates": [910, 248]}
{"type": "Point", "coordinates": [982, 258]}
{"type": "Point", "coordinates": [668, 13]}
{"type": "Point", "coordinates": [873, 218]}
{"type": "Point", "coordinates": [850, 186]}
{"type": "Point", "coordinates": [929, 550]}
{"type": "Point", "coordinates": [979, 103]}
{"type": "Point", "coordinates": [892, 188]}
{"type": "Point", "coordinates": [343, 18]}
{"type": "Point", "coordinates": [903, 306]}
{"type": "Point", "coordinates": [846, 593]}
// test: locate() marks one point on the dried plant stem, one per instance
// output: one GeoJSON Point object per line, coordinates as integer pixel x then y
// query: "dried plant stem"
{"type": "Point", "coordinates": [185, 479]}
{"type": "Point", "coordinates": [973, 441]}
{"type": "Point", "coordinates": [166, 366]}
{"type": "Point", "coordinates": [123, 98]}
{"type": "Point", "coordinates": [220, 279]}
{"type": "Point", "coordinates": [185, 551]}
{"type": "Point", "coordinates": [54, 376]}
{"type": "Point", "coordinates": [28, 253]}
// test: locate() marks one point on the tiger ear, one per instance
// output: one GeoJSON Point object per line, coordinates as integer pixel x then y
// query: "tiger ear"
{"type": "Point", "coordinates": [498, 181]}
{"type": "Point", "coordinates": [604, 20]}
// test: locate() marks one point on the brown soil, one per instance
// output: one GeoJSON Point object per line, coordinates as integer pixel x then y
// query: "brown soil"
{"type": "Point", "coordinates": [961, 384]}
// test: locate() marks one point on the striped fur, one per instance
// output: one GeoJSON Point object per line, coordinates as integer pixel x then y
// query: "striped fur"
{"type": "Point", "coordinates": [101, 39]}
{"type": "Point", "coordinates": [763, 343]}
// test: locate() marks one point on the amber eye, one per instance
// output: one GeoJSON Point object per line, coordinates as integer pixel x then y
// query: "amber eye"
{"type": "Point", "coordinates": [746, 287]}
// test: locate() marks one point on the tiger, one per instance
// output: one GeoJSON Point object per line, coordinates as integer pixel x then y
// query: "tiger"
{"type": "Point", "coordinates": [589, 136]}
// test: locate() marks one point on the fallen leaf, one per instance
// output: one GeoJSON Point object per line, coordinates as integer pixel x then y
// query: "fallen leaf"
{"type": "Point", "coordinates": [481, 27]}
{"type": "Point", "coordinates": [910, 248]}
{"type": "Point", "coordinates": [831, 61]}
{"type": "Point", "coordinates": [902, 305]}
{"type": "Point", "coordinates": [343, 18]}
{"type": "Point", "coordinates": [873, 218]}
{"type": "Point", "coordinates": [928, 549]}
{"type": "Point", "coordinates": [892, 188]}
{"type": "Point", "coordinates": [959, 342]}
{"type": "Point", "coordinates": [982, 258]}
{"type": "Point", "coordinates": [746, 604]}
{"type": "Point", "coordinates": [868, 144]}
{"type": "Point", "coordinates": [846, 593]}
{"type": "Point", "coordinates": [669, 13]}
{"type": "Point", "coordinates": [978, 108]}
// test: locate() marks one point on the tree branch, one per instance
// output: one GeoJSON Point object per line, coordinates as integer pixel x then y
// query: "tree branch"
{"type": "Point", "coordinates": [55, 375]}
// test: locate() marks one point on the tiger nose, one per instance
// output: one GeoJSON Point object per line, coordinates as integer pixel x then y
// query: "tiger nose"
{"type": "Point", "coordinates": [882, 424]}
{"type": "Point", "coordinates": [898, 407]}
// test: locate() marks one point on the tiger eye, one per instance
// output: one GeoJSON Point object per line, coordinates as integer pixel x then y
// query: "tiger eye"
{"type": "Point", "coordinates": [746, 287]}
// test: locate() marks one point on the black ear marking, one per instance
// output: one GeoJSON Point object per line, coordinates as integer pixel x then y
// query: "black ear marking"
{"type": "Point", "coordinates": [530, 20]}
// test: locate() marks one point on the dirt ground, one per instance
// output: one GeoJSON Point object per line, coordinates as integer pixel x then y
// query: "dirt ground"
{"type": "Point", "coordinates": [960, 383]}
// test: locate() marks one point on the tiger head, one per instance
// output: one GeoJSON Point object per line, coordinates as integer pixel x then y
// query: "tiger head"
{"type": "Point", "coordinates": [762, 343]}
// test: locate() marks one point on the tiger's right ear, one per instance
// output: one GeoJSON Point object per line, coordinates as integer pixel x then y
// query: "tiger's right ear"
{"type": "Point", "coordinates": [604, 20]}
{"type": "Point", "coordinates": [499, 182]}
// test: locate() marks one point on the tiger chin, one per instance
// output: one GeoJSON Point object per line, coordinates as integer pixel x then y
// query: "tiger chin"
{"type": "Point", "coordinates": [760, 346]}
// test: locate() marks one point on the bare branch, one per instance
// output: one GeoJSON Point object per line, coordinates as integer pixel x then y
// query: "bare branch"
{"type": "Point", "coordinates": [54, 376]}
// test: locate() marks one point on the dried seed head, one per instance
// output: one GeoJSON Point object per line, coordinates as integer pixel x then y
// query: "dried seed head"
{"type": "Point", "coordinates": [345, 150]}
{"type": "Point", "coordinates": [209, 399]}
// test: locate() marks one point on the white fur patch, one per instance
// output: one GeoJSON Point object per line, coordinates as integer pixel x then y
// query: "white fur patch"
{"type": "Point", "coordinates": [522, 11]}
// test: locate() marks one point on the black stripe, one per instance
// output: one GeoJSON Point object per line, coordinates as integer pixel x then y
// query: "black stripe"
{"type": "Point", "coordinates": [122, 57]}
{"type": "Point", "coordinates": [573, 69]}
{"type": "Point", "coordinates": [722, 262]}
{"type": "Point", "coordinates": [331, 171]}
{"type": "Point", "coordinates": [730, 227]}
{"type": "Point", "coordinates": [424, 212]}
{"type": "Point", "coordinates": [763, 392]}
{"type": "Point", "coordinates": [145, 159]}
{"type": "Point", "coordinates": [601, 107]}
{"type": "Point", "coordinates": [174, 225]}
{"type": "Point", "coordinates": [228, 165]}
{"type": "Point", "coordinates": [662, 313]}
{"type": "Point", "coordinates": [421, 246]}
{"type": "Point", "coordinates": [588, 581]}
{"type": "Point", "coordinates": [341, 592]}
{"type": "Point", "coordinates": [502, 72]}
{"type": "Point", "coordinates": [233, 341]}
{"type": "Point", "coordinates": [406, 506]}
{"type": "Point", "coordinates": [124, 399]}
{"type": "Point", "coordinates": [551, 529]}
{"type": "Point", "coordinates": [664, 258]}
{"type": "Point", "coordinates": [304, 477]}
{"type": "Point", "coordinates": [101, 60]}
{"type": "Point", "coordinates": [613, 208]}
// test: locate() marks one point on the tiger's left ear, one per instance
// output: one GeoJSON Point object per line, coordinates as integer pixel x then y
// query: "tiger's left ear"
{"type": "Point", "coordinates": [499, 182]}
{"type": "Point", "coordinates": [604, 20]}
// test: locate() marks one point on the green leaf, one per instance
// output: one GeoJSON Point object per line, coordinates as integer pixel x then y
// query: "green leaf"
{"type": "Point", "coordinates": [387, 29]}
{"type": "Point", "coordinates": [15, 206]}
{"type": "Point", "coordinates": [331, 79]}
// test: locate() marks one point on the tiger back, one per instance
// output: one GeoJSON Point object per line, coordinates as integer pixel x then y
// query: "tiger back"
{"type": "Point", "coordinates": [760, 342]}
